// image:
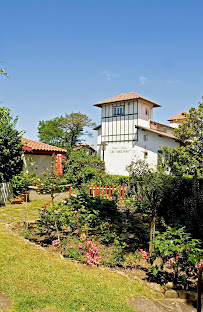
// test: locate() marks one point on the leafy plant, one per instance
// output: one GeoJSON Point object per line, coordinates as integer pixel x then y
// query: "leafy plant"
{"type": "Point", "coordinates": [81, 169]}
{"type": "Point", "coordinates": [10, 146]}
{"type": "Point", "coordinates": [21, 181]}
{"type": "Point", "coordinates": [177, 250]}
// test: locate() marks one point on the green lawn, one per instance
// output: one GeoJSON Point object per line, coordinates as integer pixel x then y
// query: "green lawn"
{"type": "Point", "coordinates": [35, 279]}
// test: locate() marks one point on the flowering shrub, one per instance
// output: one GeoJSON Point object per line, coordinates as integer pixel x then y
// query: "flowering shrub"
{"type": "Point", "coordinates": [177, 251]}
{"type": "Point", "coordinates": [198, 265]}
{"type": "Point", "coordinates": [78, 213]}
{"type": "Point", "coordinates": [92, 254]}
{"type": "Point", "coordinates": [56, 243]}
{"type": "Point", "coordinates": [83, 250]}
{"type": "Point", "coordinates": [145, 254]}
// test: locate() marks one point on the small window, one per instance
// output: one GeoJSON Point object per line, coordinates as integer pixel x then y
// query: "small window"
{"type": "Point", "coordinates": [163, 156]}
{"type": "Point", "coordinates": [119, 110]}
{"type": "Point", "coordinates": [145, 137]}
{"type": "Point", "coordinates": [145, 154]}
{"type": "Point", "coordinates": [147, 111]}
{"type": "Point", "coordinates": [160, 157]}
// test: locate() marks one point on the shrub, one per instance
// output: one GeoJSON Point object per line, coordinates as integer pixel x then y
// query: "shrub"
{"type": "Point", "coordinates": [79, 212]}
{"type": "Point", "coordinates": [82, 250]}
{"type": "Point", "coordinates": [177, 251]}
{"type": "Point", "coordinates": [20, 182]}
{"type": "Point", "coordinates": [80, 168]}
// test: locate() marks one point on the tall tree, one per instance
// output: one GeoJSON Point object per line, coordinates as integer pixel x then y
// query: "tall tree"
{"type": "Point", "coordinates": [187, 159]}
{"type": "Point", "coordinates": [51, 132]}
{"type": "Point", "coordinates": [149, 187]}
{"type": "Point", "coordinates": [10, 146]}
{"type": "Point", "coordinates": [65, 131]}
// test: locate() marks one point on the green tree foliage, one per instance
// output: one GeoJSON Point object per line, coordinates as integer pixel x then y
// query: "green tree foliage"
{"type": "Point", "coordinates": [149, 186]}
{"type": "Point", "coordinates": [187, 159]}
{"type": "Point", "coordinates": [80, 168]}
{"type": "Point", "coordinates": [66, 130]}
{"type": "Point", "coordinates": [51, 132]}
{"type": "Point", "coordinates": [74, 124]}
{"type": "Point", "coordinates": [10, 146]}
{"type": "Point", "coordinates": [178, 251]}
{"type": "Point", "coordinates": [3, 71]}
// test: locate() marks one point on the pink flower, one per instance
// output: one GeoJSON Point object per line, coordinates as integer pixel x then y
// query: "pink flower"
{"type": "Point", "coordinates": [88, 243]}
{"type": "Point", "coordinates": [171, 261]}
{"type": "Point", "coordinates": [79, 246]}
{"type": "Point", "coordinates": [83, 236]}
{"type": "Point", "coordinates": [139, 197]}
{"type": "Point", "coordinates": [70, 246]}
{"type": "Point", "coordinates": [56, 243]}
{"type": "Point", "coordinates": [92, 254]}
{"type": "Point", "coordinates": [145, 254]}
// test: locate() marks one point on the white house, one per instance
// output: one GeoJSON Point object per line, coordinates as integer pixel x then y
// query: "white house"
{"type": "Point", "coordinates": [128, 132]}
{"type": "Point", "coordinates": [37, 156]}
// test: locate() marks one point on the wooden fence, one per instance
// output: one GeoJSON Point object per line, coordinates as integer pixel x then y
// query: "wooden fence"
{"type": "Point", "coordinates": [107, 191]}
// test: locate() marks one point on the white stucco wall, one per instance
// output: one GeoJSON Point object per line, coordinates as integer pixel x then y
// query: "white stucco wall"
{"type": "Point", "coordinates": [175, 124]}
{"type": "Point", "coordinates": [37, 163]}
{"type": "Point", "coordinates": [119, 155]}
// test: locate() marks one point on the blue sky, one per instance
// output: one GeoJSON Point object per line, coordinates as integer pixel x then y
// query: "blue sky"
{"type": "Point", "coordinates": [64, 56]}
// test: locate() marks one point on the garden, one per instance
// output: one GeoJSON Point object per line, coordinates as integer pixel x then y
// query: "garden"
{"type": "Point", "coordinates": [153, 235]}
{"type": "Point", "coordinates": [137, 235]}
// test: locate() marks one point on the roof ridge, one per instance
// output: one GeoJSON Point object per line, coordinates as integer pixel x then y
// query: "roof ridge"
{"type": "Point", "coordinates": [126, 97]}
{"type": "Point", "coordinates": [23, 140]}
{"type": "Point", "coordinates": [179, 116]}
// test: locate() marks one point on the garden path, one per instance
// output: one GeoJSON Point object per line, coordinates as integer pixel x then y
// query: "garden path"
{"type": "Point", "coordinates": [142, 304]}
{"type": "Point", "coordinates": [5, 302]}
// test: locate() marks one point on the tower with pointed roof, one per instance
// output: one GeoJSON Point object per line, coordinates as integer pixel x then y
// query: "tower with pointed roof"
{"type": "Point", "coordinates": [127, 132]}
{"type": "Point", "coordinates": [176, 120]}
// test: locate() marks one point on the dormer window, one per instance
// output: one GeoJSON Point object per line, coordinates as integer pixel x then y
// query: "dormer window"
{"type": "Point", "coordinates": [119, 110]}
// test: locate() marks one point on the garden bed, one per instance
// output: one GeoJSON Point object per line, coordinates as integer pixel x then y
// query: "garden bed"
{"type": "Point", "coordinates": [96, 231]}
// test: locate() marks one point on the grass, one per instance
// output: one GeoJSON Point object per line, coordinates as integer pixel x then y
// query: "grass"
{"type": "Point", "coordinates": [14, 213]}
{"type": "Point", "coordinates": [35, 279]}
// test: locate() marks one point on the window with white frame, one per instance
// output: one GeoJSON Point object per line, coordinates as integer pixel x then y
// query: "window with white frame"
{"type": "Point", "coordinates": [119, 110]}
{"type": "Point", "coordinates": [163, 156]}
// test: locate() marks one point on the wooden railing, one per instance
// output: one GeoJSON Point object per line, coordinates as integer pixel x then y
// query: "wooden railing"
{"type": "Point", "coordinates": [107, 191]}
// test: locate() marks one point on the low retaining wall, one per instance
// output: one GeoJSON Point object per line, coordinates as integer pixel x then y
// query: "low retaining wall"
{"type": "Point", "coordinates": [34, 195]}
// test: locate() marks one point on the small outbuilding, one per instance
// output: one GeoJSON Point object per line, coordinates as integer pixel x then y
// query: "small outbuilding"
{"type": "Point", "coordinates": [38, 156]}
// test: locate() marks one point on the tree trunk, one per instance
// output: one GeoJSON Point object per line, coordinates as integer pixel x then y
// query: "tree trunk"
{"type": "Point", "coordinates": [152, 228]}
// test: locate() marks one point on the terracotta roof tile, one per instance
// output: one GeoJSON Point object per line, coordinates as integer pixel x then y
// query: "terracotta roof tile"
{"type": "Point", "coordinates": [126, 97]}
{"type": "Point", "coordinates": [180, 116]}
{"type": "Point", "coordinates": [171, 136]}
{"type": "Point", "coordinates": [30, 145]}
{"type": "Point", "coordinates": [79, 146]}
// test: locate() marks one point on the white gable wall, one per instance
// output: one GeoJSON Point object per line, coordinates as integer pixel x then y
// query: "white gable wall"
{"type": "Point", "coordinates": [120, 142]}
{"type": "Point", "coordinates": [119, 155]}
{"type": "Point", "coordinates": [37, 163]}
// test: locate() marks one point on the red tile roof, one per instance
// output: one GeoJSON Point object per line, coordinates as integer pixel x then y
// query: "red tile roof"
{"type": "Point", "coordinates": [38, 147]}
{"type": "Point", "coordinates": [126, 97]}
{"type": "Point", "coordinates": [160, 133]}
{"type": "Point", "coordinates": [158, 123]}
{"type": "Point", "coordinates": [180, 116]}
{"type": "Point", "coordinates": [79, 146]}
